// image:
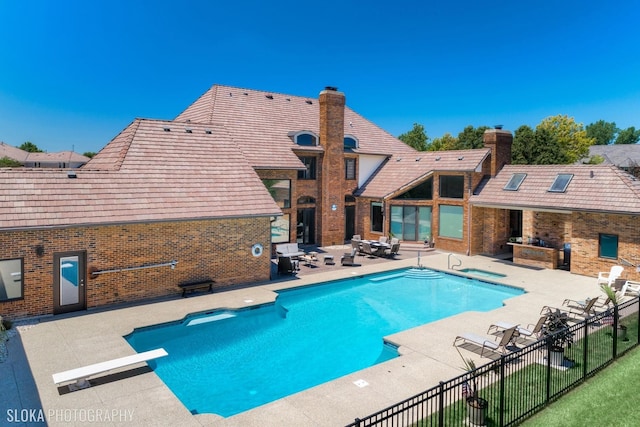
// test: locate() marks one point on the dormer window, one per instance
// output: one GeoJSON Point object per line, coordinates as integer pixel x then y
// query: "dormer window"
{"type": "Point", "coordinates": [350, 142]}
{"type": "Point", "coordinates": [308, 139]}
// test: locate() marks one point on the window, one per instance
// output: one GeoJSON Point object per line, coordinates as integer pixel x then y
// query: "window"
{"type": "Point", "coordinates": [376, 216]}
{"type": "Point", "coordinates": [422, 191]}
{"type": "Point", "coordinates": [280, 229]}
{"type": "Point", "coordinates": [452, 186]}
{"type": "Point", "coordinates": [280, 190]}
{"type": "Point", "coordinates": [305, 200]}
{"type": "Point", "coordinates": [451, 221]}
{"type": "Point", "coordinates": [411, 222]}
{"type": "Point", "coordinates": [608, 246]}
{"type": "Point", "coordinates": [515, 181]}
{"type": "Point", "coordinates": [350, 142]}
{"type": "Point", "coordinates": [350, 168]}
{"type": "Point", "coordinates": [310, 172]}
{"type": "Point", "coordinates": [11, 283]}
{"type": "Point", "coordinates": [561, 183]}
{"type": "Point", "coordinates": [307, 139]}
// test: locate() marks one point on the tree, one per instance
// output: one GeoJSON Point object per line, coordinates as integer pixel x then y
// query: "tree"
{"type": "Point", "coordinates": [628, 136]}
{"type": "Point", "coordinates": [445, 142]}
{"type": "Point", "coordinates": [7, 162]}
{"type": "Point", "coordinates": [416, 137]}
{"type": "Point", "coordinates": [89, 154]}
{"type": "Point", "coordinates": [547, 149]}
{"type": "Point", "coordinates": [471, 137]}
{"type": "Point", "coordinates": [570, 136]}
{"type": "Point", "coordinates": [603, 132]}
{"type": "Point", "coordinates": [30, 147]}
{"type": "Point", "coordinates": [523, 142]}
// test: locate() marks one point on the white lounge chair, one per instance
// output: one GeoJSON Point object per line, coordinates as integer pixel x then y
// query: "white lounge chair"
{"type": "Point", "coordinates": [485, 342]}
{"type": "Point", "coordinates": [610, 277]}
{"type": "Point", "coordinates": [630, 288]}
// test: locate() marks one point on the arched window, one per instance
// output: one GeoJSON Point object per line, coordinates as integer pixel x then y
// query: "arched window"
{"type": "Point", "coordinates": [350, 141]}
{"type": "Point", "coordinates": [306, 138]}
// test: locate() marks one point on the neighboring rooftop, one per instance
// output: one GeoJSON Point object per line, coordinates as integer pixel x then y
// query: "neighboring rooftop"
{"type": "Point", "coordinates": [622, 155]}
{"type": "Point", "coordinates": [62, 159]}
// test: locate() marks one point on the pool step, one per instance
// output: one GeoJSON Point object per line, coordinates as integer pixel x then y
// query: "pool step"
{"type": "Point", "coordinates": [422, 273]}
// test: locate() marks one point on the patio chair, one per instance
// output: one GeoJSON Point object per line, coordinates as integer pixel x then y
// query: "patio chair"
{"type": "Point", "coordinates": [393, 250]}
{"type": "Point", "coordinates": [630, 289]}
{"type": "Point", "coordinates": [610, 278]}
{"type": "Point", "coordinates": [485, 342]}
{"type": "Point", "coordinates": [287, 265]}
{"type": "Point", "coordinates": [366, 249]}
{"type": "Point", "coordinates": [348, 258]}
{"type": "Point", "coordinates": [383, 239]}
{"type": "Point", "coordinates": [532, 330]}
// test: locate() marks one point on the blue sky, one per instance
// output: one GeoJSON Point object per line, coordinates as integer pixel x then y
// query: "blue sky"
{"type": "Point", "coordinates": [75, 73]}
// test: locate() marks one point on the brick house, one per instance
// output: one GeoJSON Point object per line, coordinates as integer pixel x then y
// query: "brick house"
{"type": "Point", "coordinates": [167, 202]}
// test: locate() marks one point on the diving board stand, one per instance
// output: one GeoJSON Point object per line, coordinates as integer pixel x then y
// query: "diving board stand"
{"type": "Point", "coordinates": [81, 375]}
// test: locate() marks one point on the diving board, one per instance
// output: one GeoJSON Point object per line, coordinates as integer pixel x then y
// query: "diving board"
{"type": "Point", "coordinates": [81, 375]}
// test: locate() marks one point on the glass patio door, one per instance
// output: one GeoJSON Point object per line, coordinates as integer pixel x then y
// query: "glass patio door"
{"type": "Point", "coordinates": [69, 292]}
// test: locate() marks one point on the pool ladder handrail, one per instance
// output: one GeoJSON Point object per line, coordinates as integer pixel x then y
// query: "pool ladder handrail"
{"type": "Point", "coordinates": [451, 267]}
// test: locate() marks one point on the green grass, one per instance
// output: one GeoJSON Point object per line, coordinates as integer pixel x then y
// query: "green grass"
{"type": "Point", "coordinates": [525, 388]}
{"type": "Point", "coordinates": [608, 399]}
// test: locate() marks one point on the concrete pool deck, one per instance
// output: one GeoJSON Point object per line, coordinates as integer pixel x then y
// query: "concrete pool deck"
{"type": "Point", "coordinates": [138, 397]}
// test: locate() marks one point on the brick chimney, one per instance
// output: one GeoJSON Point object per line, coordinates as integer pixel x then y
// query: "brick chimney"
{"type": "Point", "coordinates": [331, 221]}
{"type": "Point", "coordinates": [499, 141]}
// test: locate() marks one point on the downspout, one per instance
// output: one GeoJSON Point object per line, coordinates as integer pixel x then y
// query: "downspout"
{"type": "Point", "coordinates": [469, 216]}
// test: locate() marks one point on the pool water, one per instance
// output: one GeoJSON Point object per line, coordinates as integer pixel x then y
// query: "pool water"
{"type": "Point", "coordinates": [226, 362]}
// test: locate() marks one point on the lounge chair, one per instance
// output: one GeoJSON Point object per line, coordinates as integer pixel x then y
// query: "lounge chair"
{"type": "Point", "coordinates": [348, 258]}
{"type": "Point", "coordinates": [571, 303]}
{"type": "Point", "coordinates": [485, 342]}
{"type": "Point", "coordinates": [584, 311]}
{"type": "Point", "coordinates": [530, 331]}
{"type": "Point", "coordinates": [610, 278]}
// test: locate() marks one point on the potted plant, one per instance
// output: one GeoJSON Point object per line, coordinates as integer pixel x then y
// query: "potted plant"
{"type": "Point", "coordinates": [558, 335]}
{"type": "Point", "coordinates": [614, 297]}
{"type": "Point", "coordinates": [476, 406]}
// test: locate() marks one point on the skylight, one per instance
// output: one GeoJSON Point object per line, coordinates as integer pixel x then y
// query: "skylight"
{"type": "Point", "coordinates": [561, 183]}
{"type": "Point", "coordinates": [515, 181]}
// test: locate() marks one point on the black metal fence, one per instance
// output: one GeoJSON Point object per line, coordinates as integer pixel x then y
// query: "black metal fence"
{"type": "Point", "coordinates": [507, 390]}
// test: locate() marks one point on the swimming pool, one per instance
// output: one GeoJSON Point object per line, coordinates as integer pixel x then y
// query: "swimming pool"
{"type": "Point", "coordinates": [228, 361]}
{"type": "Point", "coordinates": [482, 273]}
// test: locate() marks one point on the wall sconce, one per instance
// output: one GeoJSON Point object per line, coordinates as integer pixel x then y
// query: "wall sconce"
{"type": "Point", "coordinates": [39, 250]}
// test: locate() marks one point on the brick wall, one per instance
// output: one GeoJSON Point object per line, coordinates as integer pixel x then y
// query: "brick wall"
{"type": "Point", "coordinates": [219, 249]}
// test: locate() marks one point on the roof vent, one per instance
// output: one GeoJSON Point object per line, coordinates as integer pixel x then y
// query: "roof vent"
{"type": "Point", "coordinates": [207, 131]}
{"type": "Point", "coordinates": [398, 159]}
{"type": "Point", "coordinates": [71, 174]}
{"type": "Point", "coordinates": [167, 129]}
{"type": "Point", "coordinates": [245, 93]}
{"type": "Point", "coordinates": [461, 158]}
{"type": "Point", "coordinates": [418, 159]}
{"type": "Point", "coordinates": [230, 94]}
{"type": "Point", "coordinates": [188, 130]}
{"type": "Point", "coordinates": [591, 174]}
{"type": "Point", "coordinates": [269, 96]}
{"type": "Point", "coordinates": [437, 158]}
{"type": "Point", "coordinates": [308, 101]}
{"type": "Point", "coordinates": [331, 88]}
{"type": "Point", "coordinates": [497, 126]}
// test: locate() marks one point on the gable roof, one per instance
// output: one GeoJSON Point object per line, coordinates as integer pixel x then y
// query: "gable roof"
{"type": "Point", "coordinates": [593, 188]}
{"type": "Point", "coordinates": [159, 176]}
{"type": "Point", "coordinates": [402, 171]}
{"type": "Point", "coordinates": [260, 124]}
{"type": "Point", "coordinates": [12, 152]}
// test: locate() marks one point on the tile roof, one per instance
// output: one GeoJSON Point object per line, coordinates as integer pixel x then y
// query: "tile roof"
{"type": "Point", "coordinates": [25, 156]}
{"type": "Point", "coordinates": [260, 123]}
{"type": "Point", "coordinates": [593, 188]}
{"type": "Point", "coordinates": [159, 176]}
{"type": "Point", "coordinates": [401, 171]}
{"type": "Point", "coordinates": [12, 152]}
